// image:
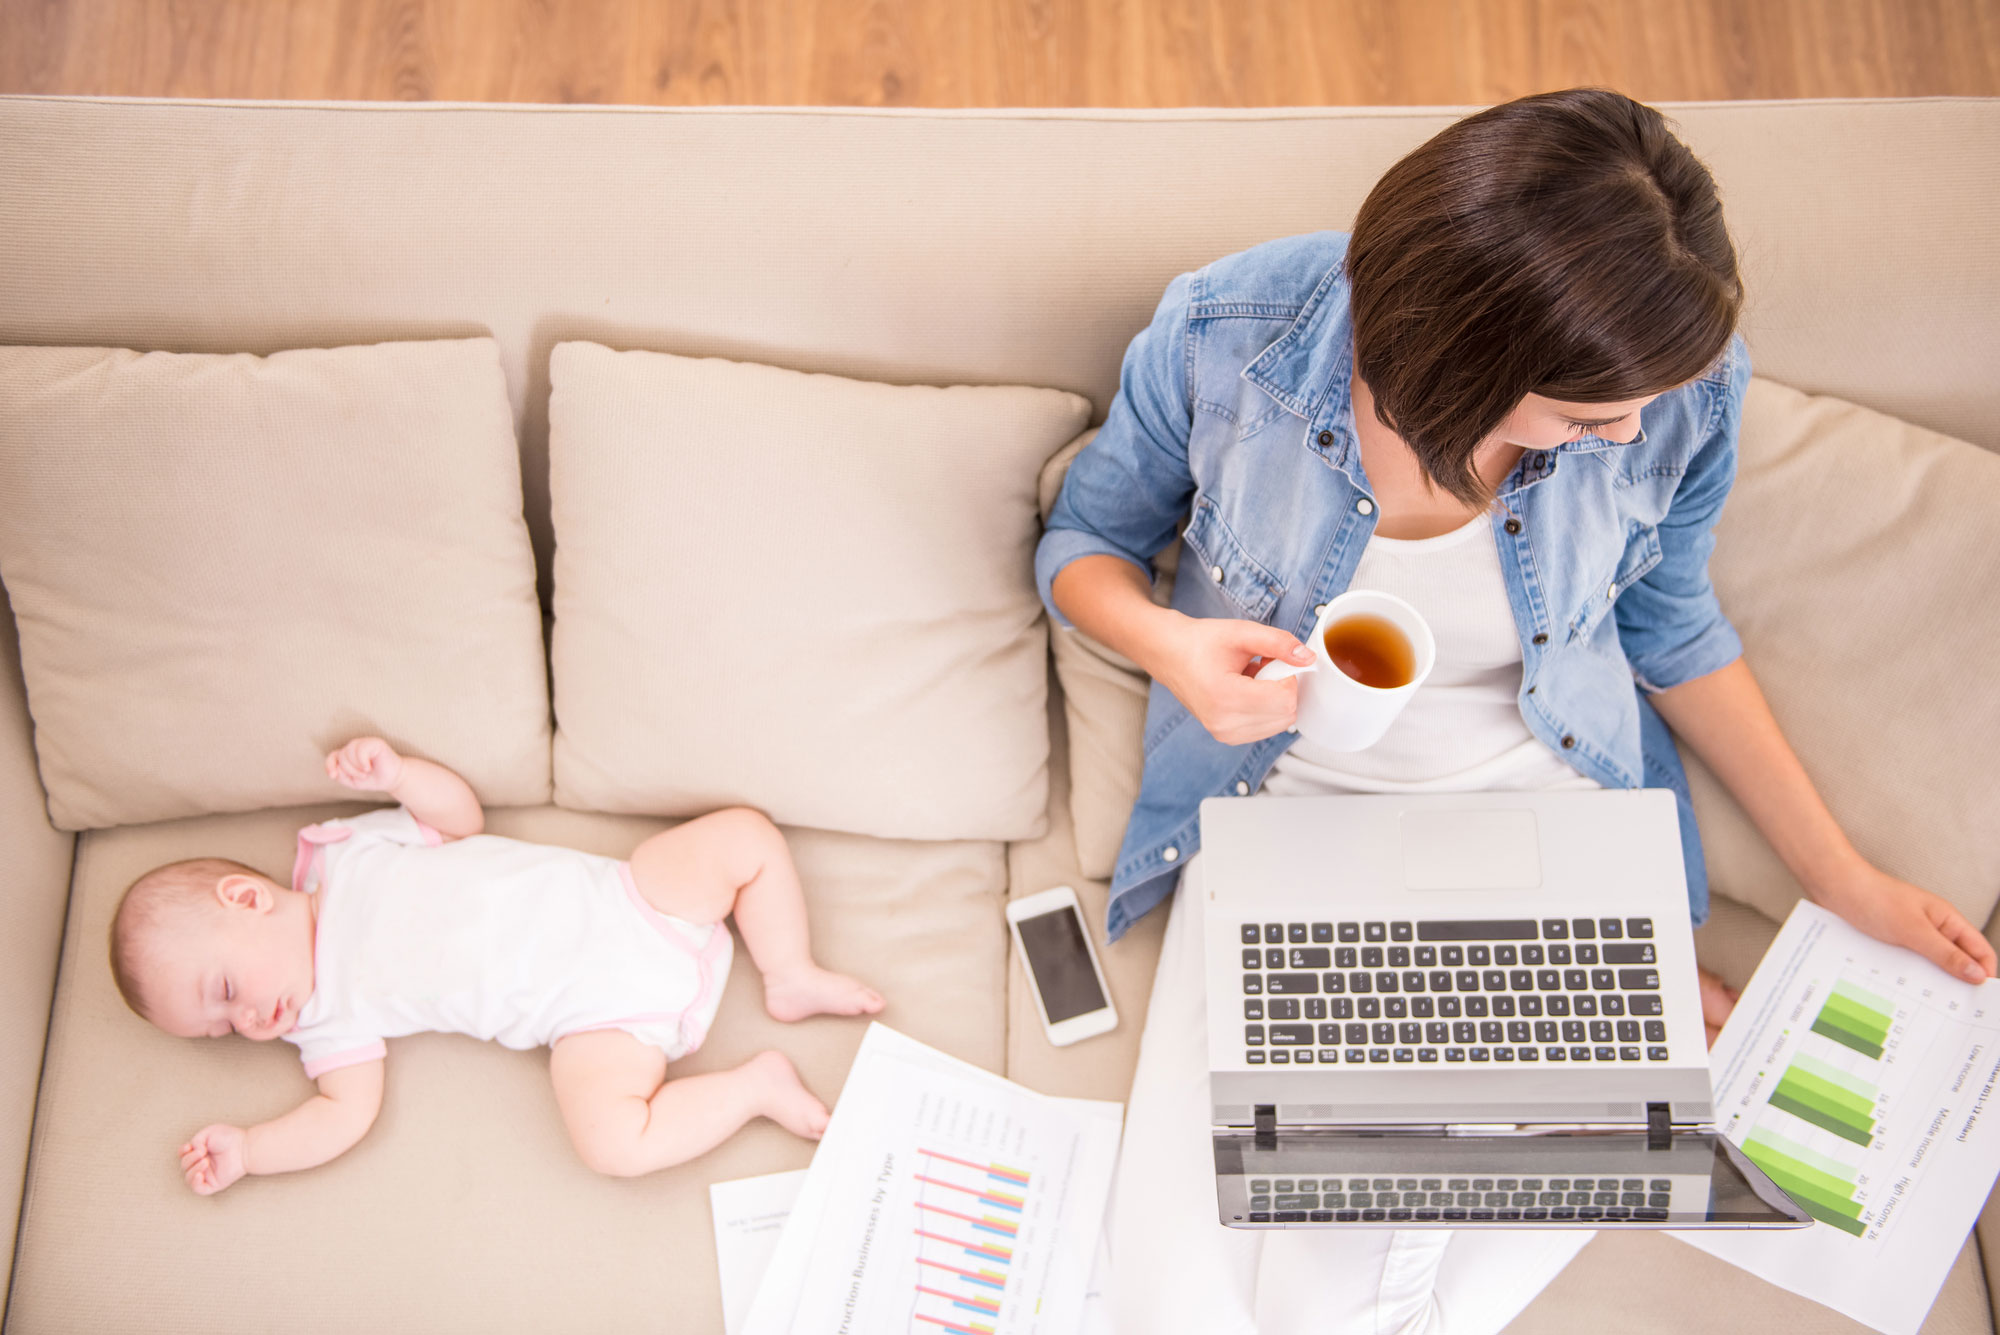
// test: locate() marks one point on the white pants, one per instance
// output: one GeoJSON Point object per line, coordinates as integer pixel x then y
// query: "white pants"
{"type": "Point", "coordinates": [1176, 1269]}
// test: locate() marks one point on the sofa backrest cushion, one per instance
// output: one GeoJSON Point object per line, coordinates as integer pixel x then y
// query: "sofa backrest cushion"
{"type": "Point", "coordinates": [804, 593]}
{"type": "Point", "coordinates": [1857, 556]}
{"type": "Point", "coordinates": [222, 566]}
{"type": "Point", "coordinates": [946, 247]}
{"type": "Point", "coordinates": [1104, 708]}
{"type": "Point", "coordinates": [1860, 558]}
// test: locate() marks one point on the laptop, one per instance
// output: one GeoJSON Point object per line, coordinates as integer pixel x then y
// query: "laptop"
{"type": "Point", "coordinates": [1469, 1010]}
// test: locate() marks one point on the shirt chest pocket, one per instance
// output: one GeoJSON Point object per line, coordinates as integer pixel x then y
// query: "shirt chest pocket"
{"type": "Point", "coordinates": [1221, 561]}
{"type": "Point", "coordinates": [1641, 554]}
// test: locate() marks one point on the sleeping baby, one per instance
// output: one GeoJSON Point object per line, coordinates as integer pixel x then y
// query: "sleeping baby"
{"type": "Point", "coordinates": [409, 920]}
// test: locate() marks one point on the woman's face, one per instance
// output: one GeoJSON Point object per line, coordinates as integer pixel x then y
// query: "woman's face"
{"type": "Point", "coordinates": [1542, 424]}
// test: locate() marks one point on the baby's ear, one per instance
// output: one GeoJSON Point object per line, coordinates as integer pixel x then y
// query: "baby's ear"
{"type": "Point", "coordinates": [237, 891]}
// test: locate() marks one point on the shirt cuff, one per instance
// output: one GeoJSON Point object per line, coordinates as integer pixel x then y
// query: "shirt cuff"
{"type": "Point", "coordinates": [1716, 647]}
{"type": "Point", "coordinates": [1059, 547]}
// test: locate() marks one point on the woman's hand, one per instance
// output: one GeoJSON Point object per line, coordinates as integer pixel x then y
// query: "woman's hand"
{"type": "Point", "coordinates": [1901, 914]}
{"type": "Point", "coordinates": [1210, 665]}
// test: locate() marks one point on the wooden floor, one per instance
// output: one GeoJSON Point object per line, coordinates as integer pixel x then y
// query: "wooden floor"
{"type": "Point", "coordinates": [985, 53]}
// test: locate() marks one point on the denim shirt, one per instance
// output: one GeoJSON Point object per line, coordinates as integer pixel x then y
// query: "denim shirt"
{"type": "Point", "coordinates": [1234, 415]}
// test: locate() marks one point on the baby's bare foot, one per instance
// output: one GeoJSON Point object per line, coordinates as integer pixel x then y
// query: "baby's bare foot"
{"type": "Point", "coordinates": [786, 1100]}
{"type": "Point", "coordinates": [1718, 999]}
{"type": "Point", "coordinates": [811, 990]}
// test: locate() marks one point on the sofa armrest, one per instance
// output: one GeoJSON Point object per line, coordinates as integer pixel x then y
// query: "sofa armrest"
{"type": "Point", "coordinates": [34, 892]}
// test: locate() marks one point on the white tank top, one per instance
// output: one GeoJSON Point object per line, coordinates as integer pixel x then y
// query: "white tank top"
{"type": "Point", "coordinates": [1462, 731]}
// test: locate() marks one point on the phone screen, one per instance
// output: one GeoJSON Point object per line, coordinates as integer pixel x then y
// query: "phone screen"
{"type": "Point", "coordinates": [1059, 958]}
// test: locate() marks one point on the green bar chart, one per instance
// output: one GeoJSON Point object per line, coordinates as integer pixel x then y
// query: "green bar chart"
{"type": "Point", "coordinates": [1855, 1017]}
{"type": "Point", "coordinates": [1861, 1080]}
{"type": "Point", "coordinates": [1828, 1097]}
{"type": "Point", "coordinates": [1822, 1186]}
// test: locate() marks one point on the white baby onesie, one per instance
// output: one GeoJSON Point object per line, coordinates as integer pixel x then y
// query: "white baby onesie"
{"type": "Point", "coordinates": [516, 942]}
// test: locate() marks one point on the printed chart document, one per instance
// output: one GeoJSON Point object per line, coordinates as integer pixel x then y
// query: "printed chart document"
{"type": "Point", "coordinates": [750, 1214]}
{"type": "Point", "coordinates": [943, 1200]}
{"type": "Point", "coordinates": [1862, 1078]}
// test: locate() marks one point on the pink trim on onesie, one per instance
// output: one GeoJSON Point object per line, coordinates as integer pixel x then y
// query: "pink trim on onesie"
{"type": "Point", "coordinates": [313, 840]}
{"type": "Point", "coordinates": [432, 839]}
{"type": "Point", "coordinates": [693, 1026]}
{"type": "Point", "coordinates": [375, 1051]}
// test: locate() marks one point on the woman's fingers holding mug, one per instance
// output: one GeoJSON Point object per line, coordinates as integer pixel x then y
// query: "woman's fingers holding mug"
{"type": "Point", "coordinates": [1243, 710]}
{"type": "Point", "coordinates": [1256, 644]}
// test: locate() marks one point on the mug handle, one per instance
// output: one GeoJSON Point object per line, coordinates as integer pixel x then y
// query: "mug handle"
{"type": "Point", "coordinates": [1278, 669]}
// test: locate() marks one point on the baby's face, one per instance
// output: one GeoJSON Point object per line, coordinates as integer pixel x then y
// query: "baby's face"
{"type": "Point", "coordinates": [245, 966]}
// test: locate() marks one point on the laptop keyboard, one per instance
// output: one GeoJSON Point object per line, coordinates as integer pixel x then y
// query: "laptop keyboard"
{"type": "Point", "coordinates": [1464, 993]}
{"type": "Point", "coordinates": [1474, 1199]}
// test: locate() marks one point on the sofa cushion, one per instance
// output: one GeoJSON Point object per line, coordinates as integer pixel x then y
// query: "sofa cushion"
{"type": "Point", "coordinates": [1104, 707]}
{"type": "Point", "coordinates": [1100, 1067]}
{"type": "Point", "coordinates": [1857, 557]}
{"type": "Point", "coordinates": [224, 565]}
{"type": "Point", "coordinates": [1848, 536]}
{"type": "Point", "coordinates": [809, 594]}
{"type": "Point", "coordinates": [465, 1208]}
{"type": "Point", "coordinates": [34, 887]}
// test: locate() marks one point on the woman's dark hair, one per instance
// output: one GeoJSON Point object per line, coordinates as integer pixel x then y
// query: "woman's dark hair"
{"type": "Point", "coordinates": [1564, 244]}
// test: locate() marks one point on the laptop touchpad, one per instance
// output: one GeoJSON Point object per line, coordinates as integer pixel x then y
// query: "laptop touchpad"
{"type": "Point", "coordinates": [1471, 850]}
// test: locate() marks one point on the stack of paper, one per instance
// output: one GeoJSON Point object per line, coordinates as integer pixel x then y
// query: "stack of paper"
{"type": "Point", "coordinates": [1863, 1079]}
{"type": "Point", "coordinates": [943, 1200]}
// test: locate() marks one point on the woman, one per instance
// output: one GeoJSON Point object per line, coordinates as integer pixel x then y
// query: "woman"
{"type": "Point", "coordinates": [1511, 397]}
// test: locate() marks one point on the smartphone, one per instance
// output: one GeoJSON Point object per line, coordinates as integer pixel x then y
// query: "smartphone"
{"type": "Point", "coordinates": [1062, 967]}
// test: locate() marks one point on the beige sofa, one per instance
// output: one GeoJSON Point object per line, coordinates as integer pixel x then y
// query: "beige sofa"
{"type": "Point", "coordinates": [915, 248]}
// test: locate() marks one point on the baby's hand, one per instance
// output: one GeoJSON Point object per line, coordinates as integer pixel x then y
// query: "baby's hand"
{"type": "Point", "coordinates": [366, 763]}
{"type": "Point", "coordinates": [215, 1158]}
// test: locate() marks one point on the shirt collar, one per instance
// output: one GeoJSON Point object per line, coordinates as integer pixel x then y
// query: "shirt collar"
{"type": "Point", "coordinates": [1307, 371]}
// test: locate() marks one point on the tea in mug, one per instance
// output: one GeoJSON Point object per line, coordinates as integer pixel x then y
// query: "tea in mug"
{"type": "Point", "coordinates": [1372, 650]}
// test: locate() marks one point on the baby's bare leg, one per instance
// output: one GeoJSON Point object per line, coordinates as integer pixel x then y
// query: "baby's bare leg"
{"type": "Point", "coordinates": [736, 861]}
{"type": "Point", "coordinates": [625, 1118]}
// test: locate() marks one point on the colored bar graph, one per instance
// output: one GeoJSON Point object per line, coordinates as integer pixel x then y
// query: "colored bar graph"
{"type": "Point", "coordinates": [1833, 1075]}
{"type": "Point", "coordinates": [1855, 1017]}
{"type": "Point", "coordinates": [984, 1306]}
{"type": "Point", "coordinates": [991, 1279]}
{"type": "Point", "coordinates": [1003, 1255]}
{"type": "Point", "coordinates": [999, 1171]}
{"type": "Point", "coordinates": [976, 1215]}
{"type": "Point", "coordinates": [1827, 1105]}
{"type": "Point", "coordinates": [985, 1223]}
{"type": "Point", "coordinates": [1822, 1186]}
{"type": "Point", "coordinates": [998, 1200]}
{"type": "Point", "coordinates": [953, 1328]}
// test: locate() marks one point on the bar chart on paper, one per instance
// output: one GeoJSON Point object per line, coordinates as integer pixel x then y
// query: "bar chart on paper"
{"type": "Point", "coordinates": [1828, 1132]}
{"type": "Point", "coordinates": [1858, 1077]}
{"type": "Point", "coordinates": [968, 1219]}
{"type": "Point", "coordinates": [970, 1206]}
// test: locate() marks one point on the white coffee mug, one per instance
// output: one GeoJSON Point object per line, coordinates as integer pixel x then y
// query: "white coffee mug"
{"type": "Point", "coordinates": [1337, 712]}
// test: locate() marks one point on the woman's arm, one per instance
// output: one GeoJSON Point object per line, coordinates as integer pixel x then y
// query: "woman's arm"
{"type": "Point", "coordinates": [1206, 662]}
{"type": "Point", "coordinates": [434, 795]}
{"type": "Point", "coordinates": [1724, 719]}
{"type": "Point", "coordinates": [324, 1127]}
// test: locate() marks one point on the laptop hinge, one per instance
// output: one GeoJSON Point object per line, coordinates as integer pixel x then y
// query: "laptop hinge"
{"type": "Point", "coordinates": [1267, 1126]}
{"type": "Point", "coordinates": [1659, 1126]}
